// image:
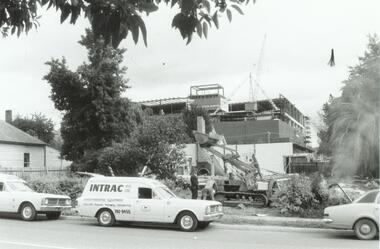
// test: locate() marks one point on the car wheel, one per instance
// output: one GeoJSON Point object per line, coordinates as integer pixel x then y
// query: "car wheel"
{"type": "Point", "coordinates": [106, 218]}
{"type": "Point", "coordinates": [365, 229]}
{"type": "Point", "coordinates": [53, 215]}
{"type": "Point", "coordinates": [203, 224]}
{"type": "Point", "coordinates": [187, 221]}
{"type": "Point", "coordinates": [28, 212]}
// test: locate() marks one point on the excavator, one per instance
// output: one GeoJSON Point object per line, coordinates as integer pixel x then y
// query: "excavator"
{"type": "Point", "coordinates": [236, 182]}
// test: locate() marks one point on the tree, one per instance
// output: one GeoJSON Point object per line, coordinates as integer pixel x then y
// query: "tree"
{"type": "Point", "coordinates": [95, 115]}
{"type": "Point", "coordinates": [114, 19]}
{"type": "Point", "coordinates": [324, 131]}
{"type": "Point", "coordinates": [38, 126]}
{"type": "Point", "coordinates": [353, 118]}
{"type": "Point", "coordinates": [190, 118]}
{"type": "Point", "coordinates": [157, 143]}
{"type": "Point", "coordinates": [162, 138]}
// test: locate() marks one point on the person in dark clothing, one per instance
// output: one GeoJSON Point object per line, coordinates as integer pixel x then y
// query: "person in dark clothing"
{"type": "Point", "coordinates": [194, 185]}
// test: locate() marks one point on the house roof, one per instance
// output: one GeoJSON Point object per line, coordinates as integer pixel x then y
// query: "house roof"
{"type": "Point", "coordinates": [12, 135]}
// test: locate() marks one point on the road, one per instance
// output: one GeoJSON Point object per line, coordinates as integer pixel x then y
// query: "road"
{"type": "Point", "coordinates": [80, 233]}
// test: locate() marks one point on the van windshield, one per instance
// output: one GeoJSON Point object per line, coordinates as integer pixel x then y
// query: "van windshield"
{"type": "Point", "coordinates": [19, 186]}
{"type": "Point", "coordinates": [165, 192]}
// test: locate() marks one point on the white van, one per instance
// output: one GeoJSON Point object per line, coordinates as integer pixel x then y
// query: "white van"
{"type": "Point", "coordinates": [17, 197]}
{"type": "Point", "coordinates": [111, 199]}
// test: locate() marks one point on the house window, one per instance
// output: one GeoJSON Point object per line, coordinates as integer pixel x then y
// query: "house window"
{"type": "Point", "coordinates": [26, 160]}
{"type": "Point", "coordinates": [1, 186]}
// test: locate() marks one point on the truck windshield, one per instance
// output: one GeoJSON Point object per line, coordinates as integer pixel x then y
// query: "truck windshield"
{"type": "Point", "coordinates": [19, 186]}
{"type": "Point", "coordinates": [165, 192]}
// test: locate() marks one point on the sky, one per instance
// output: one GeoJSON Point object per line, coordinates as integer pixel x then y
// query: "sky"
{"type": "Point", "coordinates": [299, 37]}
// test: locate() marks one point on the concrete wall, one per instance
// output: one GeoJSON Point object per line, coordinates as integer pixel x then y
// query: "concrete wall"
{"type": "Point", "coordinates": [270, 156]}
{"type": "Point", "coordinates": [12, 156]}
{"type": "Point", "coordinates": [248, 132]}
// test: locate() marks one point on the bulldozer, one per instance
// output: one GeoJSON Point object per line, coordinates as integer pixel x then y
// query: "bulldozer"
{"type": "Point", "coordinates": [236, 181]}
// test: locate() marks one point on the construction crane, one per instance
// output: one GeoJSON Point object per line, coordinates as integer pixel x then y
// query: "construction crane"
{"type": "Point", "coordinates": [259, 69]}
{"type": "Point", "coordinates": [252, 93]}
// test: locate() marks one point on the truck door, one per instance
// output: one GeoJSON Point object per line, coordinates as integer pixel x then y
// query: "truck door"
{"type": "Point", "coordinates": [5, 199]}
{"type": "Point", "coordinates": [149, 208]}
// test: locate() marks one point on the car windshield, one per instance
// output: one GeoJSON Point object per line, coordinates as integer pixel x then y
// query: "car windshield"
{"type": "Point", "coordinates": [367, 198]}
{"type": "Point", "coordinates": [165, 192]}
{"type": "Point", "coordinates": [19, 186]}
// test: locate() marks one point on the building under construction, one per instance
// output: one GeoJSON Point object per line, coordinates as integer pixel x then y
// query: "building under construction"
{"type": "Point", "coordinates": [273, 129]}
{"type": "Point", "coordinates": [264, 121]}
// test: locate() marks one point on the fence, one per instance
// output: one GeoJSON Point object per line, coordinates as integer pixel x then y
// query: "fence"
{"type": "Point", "coordinates": [34, 172]}
{"type": "Point", "coordinates": [309, 168]}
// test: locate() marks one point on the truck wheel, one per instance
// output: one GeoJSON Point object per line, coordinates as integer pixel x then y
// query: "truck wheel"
{"type": "Point", "coordinates": [203, 224]}
{"type": "Point", "coordinates": [53, 215]}
{"type": "Point", "coordinates": [365, 229]}
{"type": "Point", "coordinates": [106, 218]}
{"type": "Point", "coordinates": [28, 212]}
{"type": "Point", "coordinates": [187, 221]}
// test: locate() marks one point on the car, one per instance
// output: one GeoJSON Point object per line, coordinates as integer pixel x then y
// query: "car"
{"type": "Point", "coordinates": [140, 199]}
{"type": "Point", "coordinates": [361, 215]}
{"type": "Point", "coordinates": [17, 197]}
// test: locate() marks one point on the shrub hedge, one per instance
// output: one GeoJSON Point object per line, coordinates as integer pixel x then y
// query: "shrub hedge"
{"type": "Point", "coordinates": [66, 185]}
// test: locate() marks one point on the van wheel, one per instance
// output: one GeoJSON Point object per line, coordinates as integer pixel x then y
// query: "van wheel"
{"type": "Point", "coordinates": [365, 229]}
{"type": "Point", "coordinates": [187, 221]}
{"type": "Point", "coordinates": [203, 224]}
{"type": "Point", "coordinates": [28, 212]}
{"type": "Point", "coordinates": [106, 218]}
{"type": "Point", "coordinates": [53, 215]}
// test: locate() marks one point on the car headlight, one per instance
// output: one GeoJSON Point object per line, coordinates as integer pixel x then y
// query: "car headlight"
{"type": "Point", "coordinates": [220, 208]}
{"type": "Point", "coordinates": [208, 210]}
{"type": "Point", "coordinates": [45, 201]}
{"type": "Point", "coordinates": [68, 202]}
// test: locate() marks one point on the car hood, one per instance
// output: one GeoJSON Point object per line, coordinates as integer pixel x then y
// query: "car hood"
{"type": "Point", "coordinates": [337, 207]}
{"type": "Point", "coordinates": [42, 195]}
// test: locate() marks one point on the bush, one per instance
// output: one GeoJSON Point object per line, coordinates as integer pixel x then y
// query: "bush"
{"type": "Point", "coordinates": [71, 186]}
{"type": "Point", "coordinates": [177, 188]}
{"type": "Point", "coordinates": [295, 197]}
{"type": "Point", "coordinates": [320, 189]}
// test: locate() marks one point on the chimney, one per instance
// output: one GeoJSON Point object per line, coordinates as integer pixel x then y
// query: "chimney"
{"type": "Point", "coordinates": [8, 116]}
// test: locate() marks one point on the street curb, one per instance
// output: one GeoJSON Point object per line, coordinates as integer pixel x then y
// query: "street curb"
{"type": "Point", "coordinates": [237, 220]}
{"type": "Point", "coordinates": [269, 228]}
{"type": "Point", "coordinates": [272, 221]}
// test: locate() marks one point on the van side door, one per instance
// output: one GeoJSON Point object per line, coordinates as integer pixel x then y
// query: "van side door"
{"type": "Point", "coordinates": [5, 199]}
{"type": "Point", "coordinates": [149, 207]}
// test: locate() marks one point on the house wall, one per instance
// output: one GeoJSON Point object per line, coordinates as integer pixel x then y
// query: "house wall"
{"type": "Point", "coordinates": [53, 160]}
{"type": "Point", "coordinates": [12, 156]}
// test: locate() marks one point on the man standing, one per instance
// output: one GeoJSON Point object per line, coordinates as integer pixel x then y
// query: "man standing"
{"type": "Point", "coordinates": [208, 191]}
{"type": "Point", "coordinates": [194, 185]}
